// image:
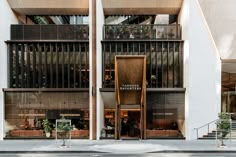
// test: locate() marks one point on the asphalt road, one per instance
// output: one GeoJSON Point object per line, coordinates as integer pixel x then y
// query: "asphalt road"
{"type": "Point", "coordinates": [119, 155]}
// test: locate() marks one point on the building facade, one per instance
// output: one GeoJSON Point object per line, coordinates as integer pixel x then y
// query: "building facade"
{"type": "Point", "coordinates": [116, 69]}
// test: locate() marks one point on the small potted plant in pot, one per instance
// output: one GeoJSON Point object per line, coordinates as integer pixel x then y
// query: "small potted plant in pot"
{"type": "Point", "coordinates": [224, 125]}
{"type": "Point", "coordinates": [63, 129]}
{"type": "Point", "coordinates": [47, 128]}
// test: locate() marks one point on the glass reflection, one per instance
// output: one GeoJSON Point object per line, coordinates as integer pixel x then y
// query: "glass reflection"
{"type": "Point", "coordinates": [25, 112]}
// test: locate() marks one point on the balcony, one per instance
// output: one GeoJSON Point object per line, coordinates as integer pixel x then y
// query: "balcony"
{"type": "Point", "coordinates": [140, 7]}
{"type": "Point", "coordinates": [50, 7]}
{"type": "Point", "coordinates": [49, 32]}
{"type": "Point", "coordinates": [142, 32]}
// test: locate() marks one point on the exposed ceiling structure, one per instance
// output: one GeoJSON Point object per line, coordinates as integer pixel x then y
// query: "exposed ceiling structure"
{"type": "Point", "coordinates": [229, 67]}
{"type": "Point", "coordinates": [221, 19]}
{"type": "Point", "coordinates": [81, 7]}
{"type": "Point", "coordinates": [50, 7]}
{"type": "Point", "coordinates": [141, 7]}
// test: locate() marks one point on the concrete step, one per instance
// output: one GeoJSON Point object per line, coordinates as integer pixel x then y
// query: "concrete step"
{"type": "Point", "coordinates": [212, 135]}
{"type": "Point", "coordinates": [206, 138]}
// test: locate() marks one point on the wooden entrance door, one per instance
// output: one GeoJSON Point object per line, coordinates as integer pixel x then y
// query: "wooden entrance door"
{"type": "Point", "coordinates": [130, 88]}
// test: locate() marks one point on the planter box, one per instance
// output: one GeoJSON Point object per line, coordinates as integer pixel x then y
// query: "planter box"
{"type": "Point", "coordinates": [162, 133]}
{"type": "Point", "coordinates": [75, 133]}
{"type": "Point", "coordinates": [26, 133]}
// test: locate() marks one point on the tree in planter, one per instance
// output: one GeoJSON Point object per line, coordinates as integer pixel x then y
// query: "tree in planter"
{"type": "Point", "coordinates": [224, 125]}
{"type": "Point", "coordinates": [63, 128]}
{"type": "Point", "coordinates": [46, 127]}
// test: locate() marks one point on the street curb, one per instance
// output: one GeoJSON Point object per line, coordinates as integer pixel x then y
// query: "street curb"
{"type": "Point", "coordinates": [93, 152]}
{"type": "Point", "coordinates": [195, 151]}
{"type": "Point", "coordinates": [49, 152]}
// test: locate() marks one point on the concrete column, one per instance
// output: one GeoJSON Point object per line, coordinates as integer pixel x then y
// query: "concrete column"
{"type": "Point", "coordinates": [7, 17]}
{"type": "Point", "coordinates": [99, 29]}
{"type": "Point", "coordinates": [92, 67]}
{"type": "Point", "coordinates": [202, 71]}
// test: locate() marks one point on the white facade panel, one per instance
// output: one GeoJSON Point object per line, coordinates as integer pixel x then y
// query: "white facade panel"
{"type": "Point", "coordinates": [202, 71]}
{"type": "Point", "coordinates": [7, 18]}
{"type": "Point", "coordinates": [99, 29]}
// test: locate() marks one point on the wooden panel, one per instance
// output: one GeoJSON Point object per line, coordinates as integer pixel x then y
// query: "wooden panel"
{"type": "Point", "coordinates": [228, 81]}
{"type": "Point", "coordinates": [140, 11]}
{"type": "Point", "coordinates": [93, 70]}
{"type": "Point", "coordinates": [112, 7]}
{"type": "Point", "coordinates": [130, 87]}
{"type": "Point", "coordinates": [129, 79]}
{"type": "Point", "coordinates": [50, 7]}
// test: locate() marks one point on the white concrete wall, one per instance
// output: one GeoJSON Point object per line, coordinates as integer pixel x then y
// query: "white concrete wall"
{"type": "Point", "coordinates": [100, 106]}
{"type": "Point", "coordinates": [7, 17]}
{"type": "Point", "coordinates": [115, 20]}
{"type": "Point", "coordinates": [221, 18]}
{"type": "Point", "coordinates": [202, 70]}
{"type": "Point", "coordinates": [90, 72]}
{"type": "Point", "coordinates": [162, 19]}
{"type": "Point", "coordinates": [183, 19]}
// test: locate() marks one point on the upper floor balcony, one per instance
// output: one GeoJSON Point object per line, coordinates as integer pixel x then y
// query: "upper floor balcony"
{"type": "Point", "coordinates": [142, 32]}
{"type": "Point", "coordinates": [49, 32]}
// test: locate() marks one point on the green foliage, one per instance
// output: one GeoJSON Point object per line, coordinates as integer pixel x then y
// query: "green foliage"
{"type": "Point", "coordinates": [224, 123]}
{"type": "Point", "coordinates": [40, 20]}
{"type": "Point", "coordinates": [46, 126]}
{"type": "Point", "coordinates": [63, 128]}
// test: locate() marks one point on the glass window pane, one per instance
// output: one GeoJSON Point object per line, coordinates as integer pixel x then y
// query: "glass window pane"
{"type": "Point", "coordinates": [25, 111]}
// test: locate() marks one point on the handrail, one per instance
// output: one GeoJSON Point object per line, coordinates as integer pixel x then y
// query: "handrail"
{"type": "Point", "coordinates": [207, 124]}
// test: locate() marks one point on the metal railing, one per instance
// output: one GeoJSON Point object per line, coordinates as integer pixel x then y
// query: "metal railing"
{"type": "Point", "coordinates": [206, 125]}
{"type": "Point", "coordinates": [135, 31]}
{"type": "Point", "coordinates": [218, 130]}
{"type": "Point", "coordinates": [49, 32]}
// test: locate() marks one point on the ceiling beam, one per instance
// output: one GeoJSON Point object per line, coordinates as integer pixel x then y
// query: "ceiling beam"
{"type": "Point", "coordinates": [50, 7]}
{"type": "Point", "coordinates": [139, 7]}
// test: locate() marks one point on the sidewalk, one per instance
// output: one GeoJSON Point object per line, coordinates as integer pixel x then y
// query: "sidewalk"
{"type": "Point", "coordinates": [114, 146]}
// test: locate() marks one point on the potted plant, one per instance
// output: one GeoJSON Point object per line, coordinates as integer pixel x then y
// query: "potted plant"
{"type": "Point", "coordinates": [47, 128]}
{"type": "Point", "coordinates": [63, 128]}
{"type": "Point", "coordinates": [224, 125]}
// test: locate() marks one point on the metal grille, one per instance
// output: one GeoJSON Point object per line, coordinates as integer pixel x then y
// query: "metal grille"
{"type": "Point", "coordinates": [17, 32]}
{"type": "Point", "coordinates": [49, 65]}
{"type": "Point", "coordinates": [65, 32]}
{"type": "Point", "coordinates": [31, 32]}
{"type": "Point", "coordinates": [164, 61]}
{"type": "Point", "coordinates": [49, 32]}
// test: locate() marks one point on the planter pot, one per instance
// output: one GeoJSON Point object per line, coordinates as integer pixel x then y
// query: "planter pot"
{"type": "Point", "coordinates": [48, 134]}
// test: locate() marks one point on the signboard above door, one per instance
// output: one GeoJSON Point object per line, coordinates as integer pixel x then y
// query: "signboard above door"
{"type": "Point", "coordinates": [130, 79]}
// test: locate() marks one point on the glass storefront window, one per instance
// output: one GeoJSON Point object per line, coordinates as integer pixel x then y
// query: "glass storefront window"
{"type": "Point", "coordinates": [109, 123]}
{"type": "Point", "coordinates": [229, 103]}
{"type": "Point", "coordinates": [165, 115]}
{"type": "Point", "coordinates": [25, 112]}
